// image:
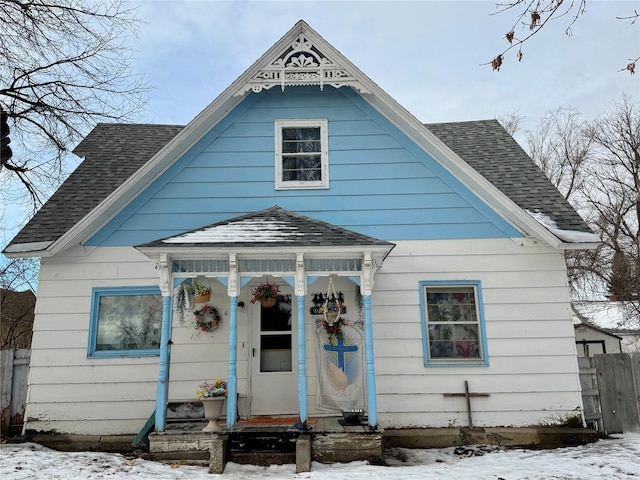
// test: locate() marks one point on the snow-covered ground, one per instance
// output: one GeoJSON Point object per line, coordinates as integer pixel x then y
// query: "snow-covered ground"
{"type": "Point", "coordinates": [617, 457]}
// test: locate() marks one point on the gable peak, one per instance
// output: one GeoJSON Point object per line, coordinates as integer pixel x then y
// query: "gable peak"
{"type": "Point", "coordinates": [302, 57]}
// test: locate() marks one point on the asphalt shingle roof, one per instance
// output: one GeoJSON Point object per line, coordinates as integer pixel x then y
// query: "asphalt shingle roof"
{"type": "Point", "coordinates": [273, 227]}
{"type": "Point", "coordinates": [114, 152]}
{"type": "Point", "coordinates": [492, 152]}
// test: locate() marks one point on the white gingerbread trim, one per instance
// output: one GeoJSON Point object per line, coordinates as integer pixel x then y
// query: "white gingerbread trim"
{"type": "Point", "coordinates": [301, 63]}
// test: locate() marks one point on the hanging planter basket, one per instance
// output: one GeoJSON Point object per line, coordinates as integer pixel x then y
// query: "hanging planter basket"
{"type": "Point", "coordinates": [331, 316]}
{"type": "Point", "coordinates": [201, 291]}
{"type": "Point", "coordinates": [266, 293]}
{"type": "Point", "coordinates": [202, 298]}
{"type": "Point", "coordinates": [332, 306]}
{"type": "Point", "coordinates": [268, 302]}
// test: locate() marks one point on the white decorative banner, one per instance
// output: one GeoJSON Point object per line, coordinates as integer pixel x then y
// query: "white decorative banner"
{"type": "Point", "coordinates": [340, 364]}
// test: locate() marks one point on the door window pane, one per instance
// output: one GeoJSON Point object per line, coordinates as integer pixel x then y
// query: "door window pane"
{"type": "Point", "coordinates": [275, 353]}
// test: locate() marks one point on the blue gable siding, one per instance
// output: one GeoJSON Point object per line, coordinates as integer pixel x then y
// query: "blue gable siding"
{"type": "Point", "coordinates": [381, 183]}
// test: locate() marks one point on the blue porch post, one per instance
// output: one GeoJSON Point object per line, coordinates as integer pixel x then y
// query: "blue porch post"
{"type": "Point", "coordinates": [302, 362]}
{"type": "Point", "coordinates": [371, 374]}
{"type": "Point", "coordinates": [232, 379]}
{"type": "Point", "coordinates": [162, 393]}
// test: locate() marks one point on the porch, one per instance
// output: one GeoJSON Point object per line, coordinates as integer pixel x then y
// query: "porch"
{"type": "Point", "coordinates": [267, 441]}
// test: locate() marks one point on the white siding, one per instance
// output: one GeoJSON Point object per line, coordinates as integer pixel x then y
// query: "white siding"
{"type": "Point", "coordinates": [531, 377]}
{"type": "Point", "coordinates": [69, 392]}
{"type": "Point", "coordinates": [532, 373]}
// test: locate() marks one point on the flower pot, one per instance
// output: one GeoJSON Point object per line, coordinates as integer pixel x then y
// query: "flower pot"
{"type": "Point", "coordinates": [268, 302]}
{"type": "Point", "coordinates": [212, 412]}
{"type": "Point", "coordinates": [205, 297]}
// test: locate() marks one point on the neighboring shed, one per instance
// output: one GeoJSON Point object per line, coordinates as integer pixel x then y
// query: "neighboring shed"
{"type": "Point", "coordinates": [592, 340]}
{"type": "Point", "coordinates": [618, 319]}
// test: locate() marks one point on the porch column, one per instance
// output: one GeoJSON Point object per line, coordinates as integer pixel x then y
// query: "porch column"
{"type": "Point", "coordinates": [162, 390]}
{"type": "Point", "coordinates": [232, 380]}
{"type": "Point", "coordinates": [232, 377]}
{"type": "Point", "coordinates": [371, 374]}
{"type": "Point", "coordinates": [302, 363]}
{"type": "Point", "coordinates": [369, 266]}
{"type": "Point", "coordinates": [301, 291]}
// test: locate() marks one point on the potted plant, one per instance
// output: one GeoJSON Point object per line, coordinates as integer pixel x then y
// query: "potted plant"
{"type": "Point", "coordinates": [215, 389]}
{"type": "Point", "coordinates": [183, 299]}
{"type": "Point", "coordinates": [202, 293]}
{"type": "Point", "coordinates": [266, 293]}
{"type": "Point", "coordinates": [212, 396]}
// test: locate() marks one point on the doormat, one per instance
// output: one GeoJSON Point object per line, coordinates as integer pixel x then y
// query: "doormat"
{"type": "Point", "coordinates": [273, 421]}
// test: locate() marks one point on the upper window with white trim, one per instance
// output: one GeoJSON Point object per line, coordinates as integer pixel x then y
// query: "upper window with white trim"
{"type": "Point", "coordinates": [453, 323]}
{"type": "Point", "coordinates": [301, 154]}
{"type": "Point", "coordinates": [125, 322]}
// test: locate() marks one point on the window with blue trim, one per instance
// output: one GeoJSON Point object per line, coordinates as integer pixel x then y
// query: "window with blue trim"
{"type": "Point", "coordinates": [125, 321]}
{"type": "Point", "coordinates": [301, 154]}
{"type": "Point", "coordinates": [453, 323]}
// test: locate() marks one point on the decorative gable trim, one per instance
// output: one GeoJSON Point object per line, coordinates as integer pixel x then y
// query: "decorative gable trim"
{"type": "Point", "coordinates": [301, 63]}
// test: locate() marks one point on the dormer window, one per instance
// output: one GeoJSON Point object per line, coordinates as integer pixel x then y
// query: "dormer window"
{"type": "Point", "coordinates": [301, 154]}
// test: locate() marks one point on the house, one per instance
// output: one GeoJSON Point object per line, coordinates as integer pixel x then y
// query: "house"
{"type": "Point", "coordinates": [442, 245]}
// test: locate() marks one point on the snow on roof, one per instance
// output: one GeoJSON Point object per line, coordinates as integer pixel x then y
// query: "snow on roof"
{"type": "Point", "coordinates": [249, 230]}
{"type": "Point", "coordinates": [572, 236]}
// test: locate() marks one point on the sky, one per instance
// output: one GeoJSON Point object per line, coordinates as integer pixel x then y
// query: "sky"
{"type": "Point", "coordinates": [427, 55]}
{"type": "Point", "coordinates": [614, 458]}
{"type": "Point", "coordinates": [430, 56]}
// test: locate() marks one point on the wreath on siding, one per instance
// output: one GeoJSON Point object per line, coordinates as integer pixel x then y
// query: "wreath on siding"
{"type": "Point", "coordinates": [207, 318]}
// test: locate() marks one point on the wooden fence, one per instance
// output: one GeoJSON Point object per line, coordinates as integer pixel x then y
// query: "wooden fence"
{"type": "Point", "coordinates": [611, 392]}
{"type": "Point", "coordinates": [14, 370]}
{"type": "Point", "coordinates": [590, 394]}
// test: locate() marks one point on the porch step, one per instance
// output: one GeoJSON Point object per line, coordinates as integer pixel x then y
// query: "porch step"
{"type": "Point", "coordinates": [327, 442]}
{"type": "Point", "coordinates": [253, 446]}
{"type": "Point", "coordinates": [261, 458]}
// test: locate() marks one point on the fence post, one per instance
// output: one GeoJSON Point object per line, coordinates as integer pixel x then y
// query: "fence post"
{"type": "Point", "coordinates": [6, 381]}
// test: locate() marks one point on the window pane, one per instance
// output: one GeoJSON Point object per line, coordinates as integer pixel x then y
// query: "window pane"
{"type": "Point", "coordinates": [300, 146]}
{"type": "Point", "coordinates": [452, 320]}
{"type": "Point", "coordinates": [129, 322]}
{"type": "Point", "coordinates": [454, 305]}
{"type": "Point", "coordinates": [307, 168]}
{"type": "Point", "coordinates": [275, 353]}
{"type": "Point", "coordinates": [277, 318]}
{"type": "Point", "coordinates": [301, 133]}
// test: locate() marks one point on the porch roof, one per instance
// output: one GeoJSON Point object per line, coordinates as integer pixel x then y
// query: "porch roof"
{"type": "Point", "coordinates": [274, 227]}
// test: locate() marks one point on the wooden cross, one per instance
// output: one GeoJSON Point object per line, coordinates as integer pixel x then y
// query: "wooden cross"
{"type": "Point", "coordinates": [468, 395]}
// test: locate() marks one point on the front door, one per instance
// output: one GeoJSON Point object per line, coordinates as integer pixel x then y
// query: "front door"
{"type": "Point", "coordinates": [274, 383]}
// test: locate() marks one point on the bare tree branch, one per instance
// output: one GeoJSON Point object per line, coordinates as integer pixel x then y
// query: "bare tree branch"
{"type": "Point", "coordinates": [64, 66]}
{"type": "Point", "coordinates": [596, 165]}
{"type": "Point", "coordinates": [535, 15]}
